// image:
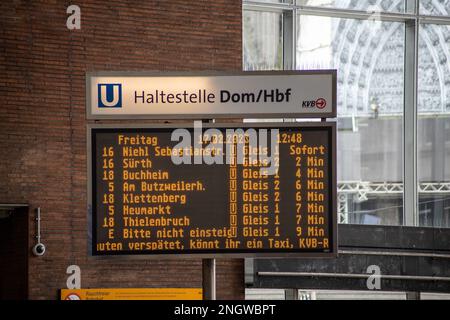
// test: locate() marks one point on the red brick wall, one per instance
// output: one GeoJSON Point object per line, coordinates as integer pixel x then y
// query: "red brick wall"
{"type": "Point", "coordinates": [43, 121]}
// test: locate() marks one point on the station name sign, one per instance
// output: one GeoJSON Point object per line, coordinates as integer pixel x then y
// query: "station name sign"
{"type": "Point", "coordinates": [116, 95]}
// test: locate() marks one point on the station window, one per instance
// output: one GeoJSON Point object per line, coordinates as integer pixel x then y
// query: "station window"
{"type": "Point", "coordinates": [382, 110]}
{"type": "Point", "coordinates": [263, 40]}
{"type": "Point", "coordinates": [383, 5]}
{"type": "Point", "coordinates": [435, 8]}
{"type": "Point", "coordinates": [434, 124]}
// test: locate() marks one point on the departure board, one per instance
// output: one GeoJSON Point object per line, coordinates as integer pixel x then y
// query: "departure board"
{"type": "Point", "coordinates": [234, 190]}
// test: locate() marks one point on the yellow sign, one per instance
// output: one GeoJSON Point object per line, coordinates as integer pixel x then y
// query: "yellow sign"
{"type": "Point", "coordinates": [132, 294]}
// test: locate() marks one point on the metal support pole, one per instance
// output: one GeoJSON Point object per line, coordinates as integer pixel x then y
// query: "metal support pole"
{"type": "Point", "coordinates": [289, 41]}
{"type": "Point", "coordinates": [290, 294]}
{"type": "Point", "coordinates": [410, 200]}
{"type": "Point", "coordinates": [38, 225]}
{"type": "Point", "coordinates": [413, 295]}
{"type": "Point", "coordinates": [209, 279]}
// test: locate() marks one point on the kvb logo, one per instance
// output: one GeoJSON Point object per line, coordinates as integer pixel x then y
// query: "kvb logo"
{"type": "Point", "coordinates": [110, 95]}
{"type": "Point", "coordinates": [319, 103]}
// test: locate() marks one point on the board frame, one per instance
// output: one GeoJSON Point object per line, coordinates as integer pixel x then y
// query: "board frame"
{"type": "Point", "coordinates": [333, 253]}
{"type": "Point", "coordinates": [91, 116]}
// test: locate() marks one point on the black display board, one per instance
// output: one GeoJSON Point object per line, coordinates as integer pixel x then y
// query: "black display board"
{"type": "Point", "coordinates": [142, 203]}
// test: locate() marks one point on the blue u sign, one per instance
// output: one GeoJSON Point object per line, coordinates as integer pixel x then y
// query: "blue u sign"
{"type": "Point", "coordinates": [110, 95]}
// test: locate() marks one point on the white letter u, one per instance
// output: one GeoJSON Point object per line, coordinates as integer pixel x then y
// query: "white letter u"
{"type": "Point", "coordinates": [104, 98]}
